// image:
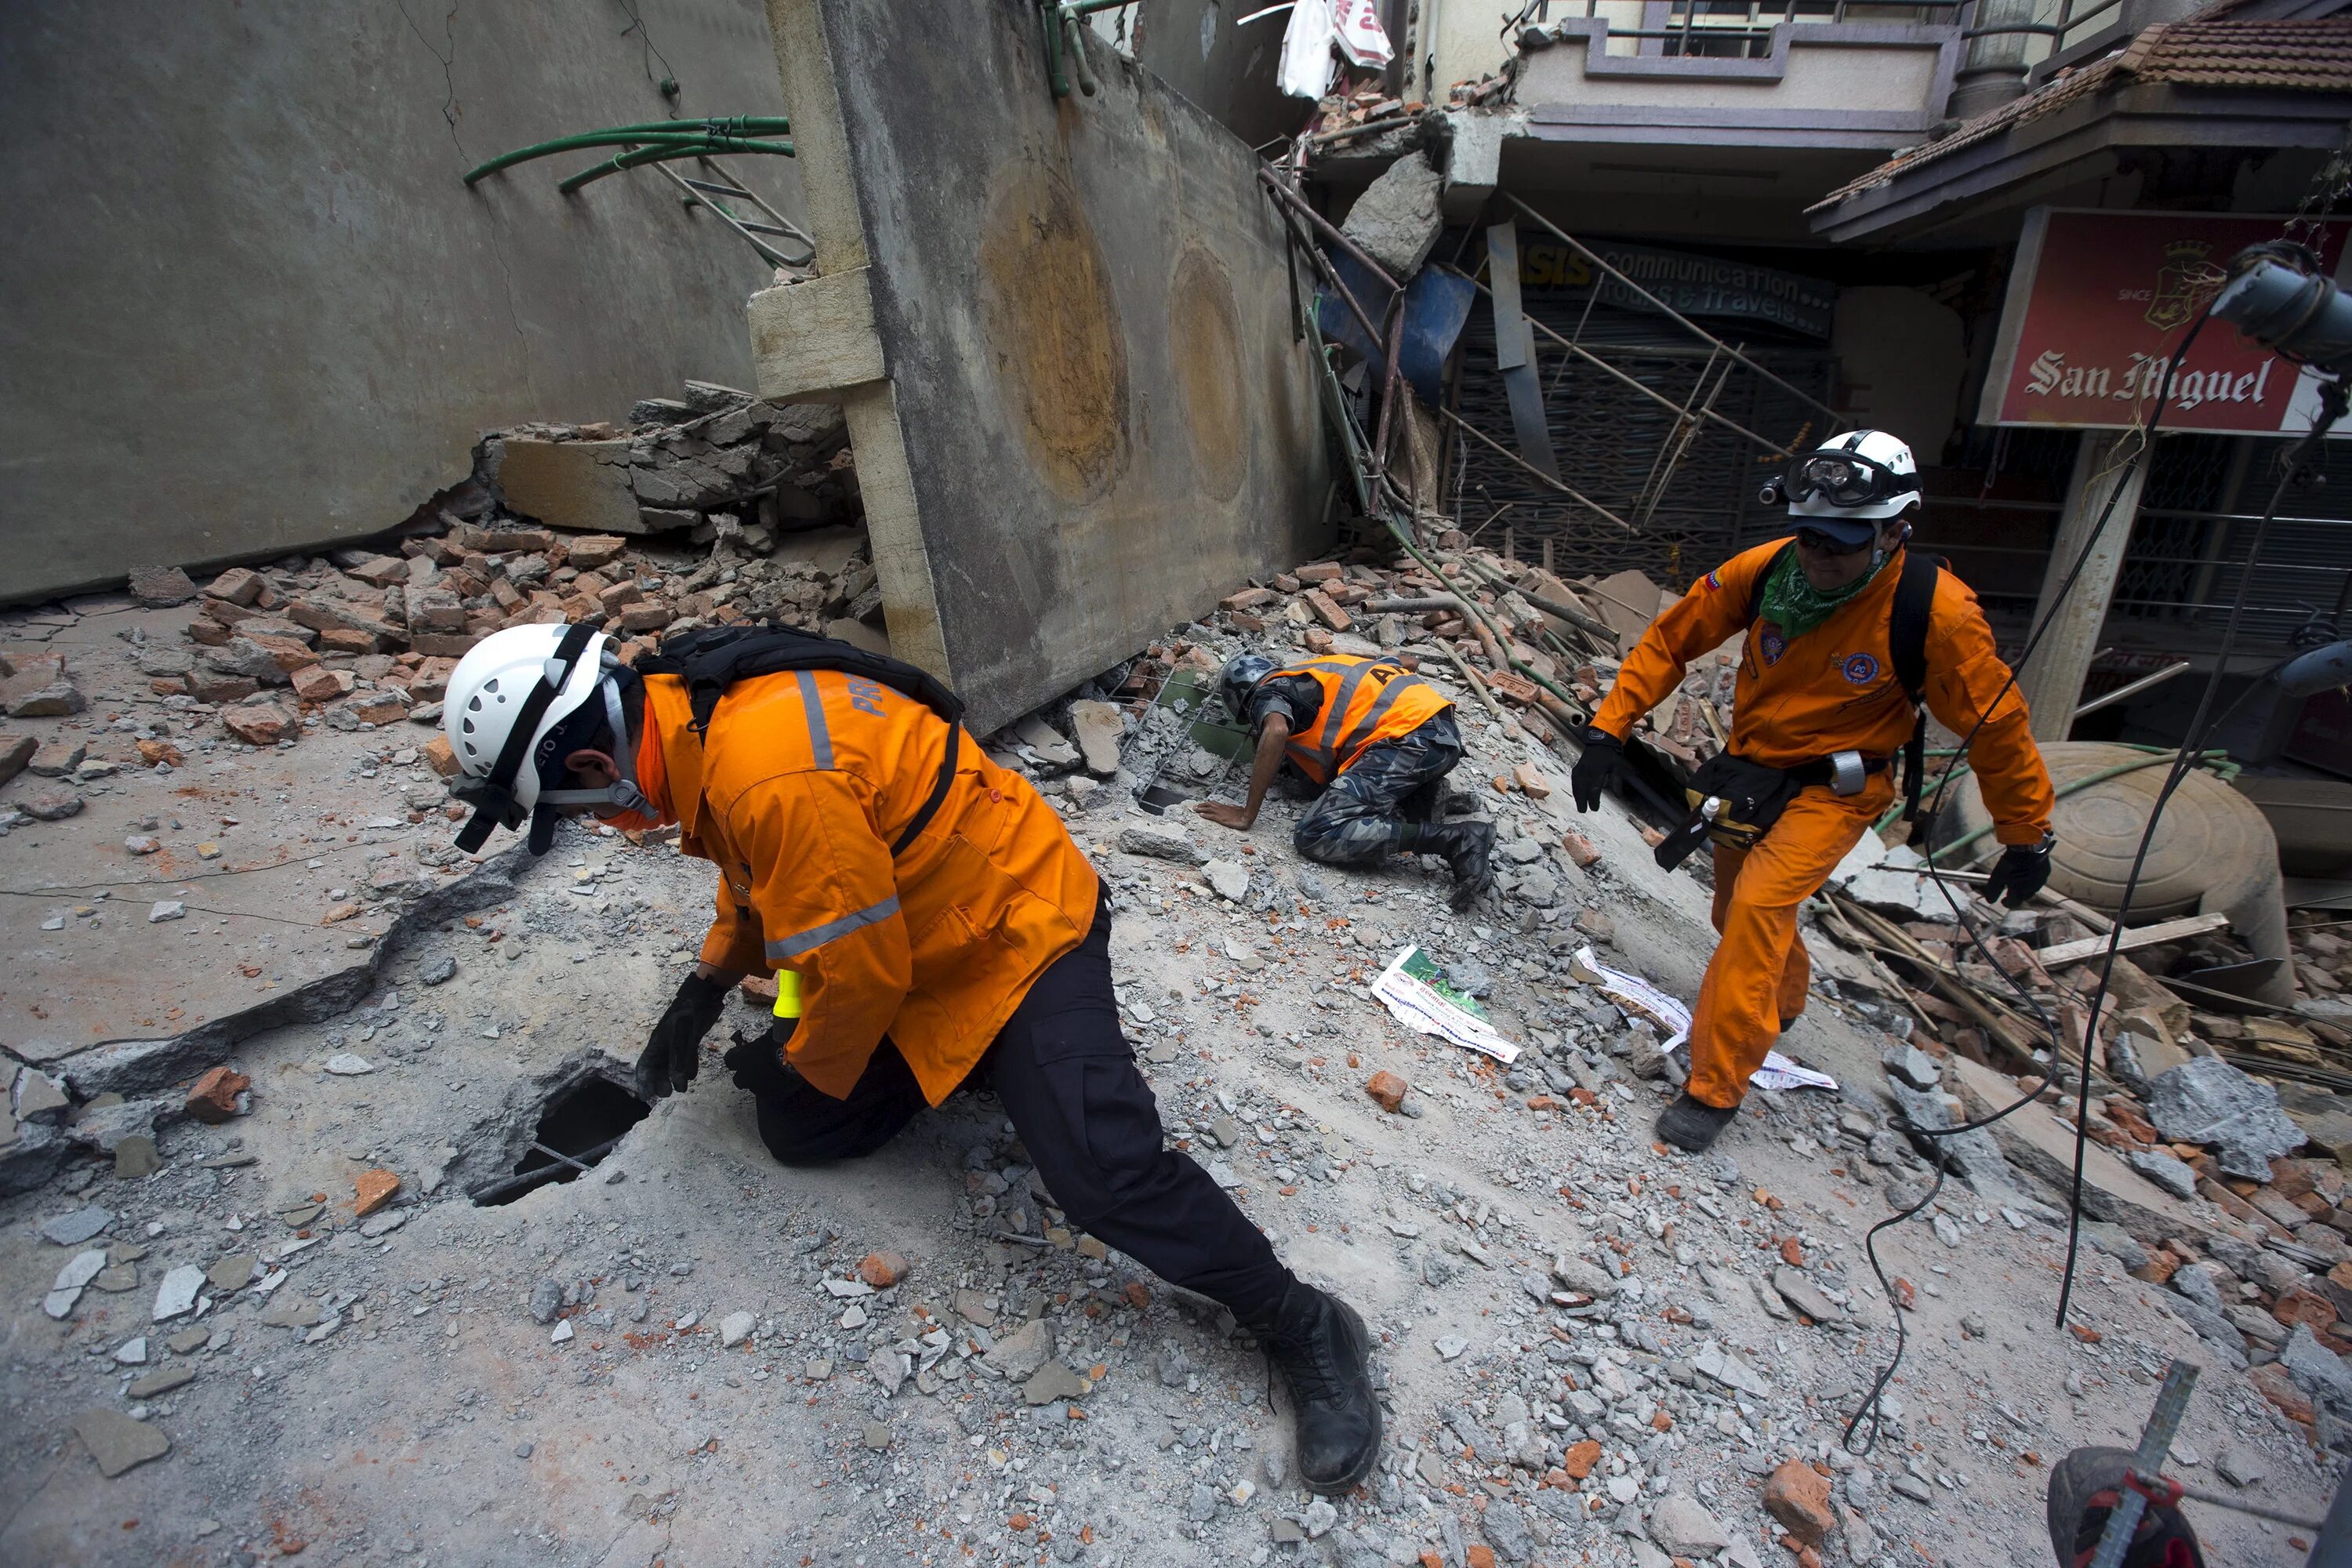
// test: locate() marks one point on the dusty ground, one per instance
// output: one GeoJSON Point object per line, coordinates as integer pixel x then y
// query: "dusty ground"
{"type": "Point", "coordinates": [381, 1392]}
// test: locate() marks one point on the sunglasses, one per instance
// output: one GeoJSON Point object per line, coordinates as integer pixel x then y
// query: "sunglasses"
{"type": "Point", "coordinates": [1821, 543]}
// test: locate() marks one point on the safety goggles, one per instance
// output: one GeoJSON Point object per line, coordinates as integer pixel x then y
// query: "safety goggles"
{"type": "Point", "coordinates": [1822, 542]}
{"type": "Point", "coordinates": [1843, 480]}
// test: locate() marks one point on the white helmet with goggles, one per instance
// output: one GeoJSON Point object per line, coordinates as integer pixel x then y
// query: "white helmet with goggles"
{"type": "Point", "coordinates": [1861, 476]}
{"type": "Point", "coordinates": [520, 702]}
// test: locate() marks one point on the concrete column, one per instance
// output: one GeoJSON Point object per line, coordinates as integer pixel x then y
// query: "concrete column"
{"type": "Point", "coordinates": [1994, 72]}
{"type": "Point", "coordinates": [2052, 681]}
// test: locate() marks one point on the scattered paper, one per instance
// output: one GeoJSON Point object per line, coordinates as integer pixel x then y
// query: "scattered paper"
{"type": "Point", "coordinates": [1780, 1072]}
{"type": "Point", "coordinates": [1414, 989]}
{"type": "Point", "coordinates": [1635, 994]}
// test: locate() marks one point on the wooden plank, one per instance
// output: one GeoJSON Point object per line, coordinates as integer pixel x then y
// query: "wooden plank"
{"type": "Point", "coordinates": [2067, 953]}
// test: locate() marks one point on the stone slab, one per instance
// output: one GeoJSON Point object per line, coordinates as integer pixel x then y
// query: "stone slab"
{"type": "Point", "coordinates": [1092, 420]}
{"type": "Point", "coordinates": [2033, 1140]}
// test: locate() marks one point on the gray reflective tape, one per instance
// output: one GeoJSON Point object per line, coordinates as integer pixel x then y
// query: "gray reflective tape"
{"type": "Point", "coordinates": [813, 703]}
{"type": "Point", "coordinates": [815, 937]}
{"type": "Point", "coordinates": [1372, 715]}
{"type": "Point", "coordinates": [1325, 744]}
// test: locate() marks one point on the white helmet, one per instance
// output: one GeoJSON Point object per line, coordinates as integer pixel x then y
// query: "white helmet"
{"type": "Point", "coordinates": [506, 699]}
{"type": "Point", "coordinates": [1862, 475]}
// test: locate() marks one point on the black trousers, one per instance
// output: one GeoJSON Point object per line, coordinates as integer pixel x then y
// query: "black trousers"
{"type": "Point", "coordinates": [1361, 818]}
{"type": "Point", "coordinates": [1068, 1080]}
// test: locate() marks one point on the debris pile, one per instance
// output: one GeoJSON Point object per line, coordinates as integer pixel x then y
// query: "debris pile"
{"type": "Point", "coordinates": [680, 464]}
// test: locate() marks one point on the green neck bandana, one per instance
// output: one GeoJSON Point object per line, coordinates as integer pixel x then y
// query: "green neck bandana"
{"type": "Point", "coordinates": [1791, 602]}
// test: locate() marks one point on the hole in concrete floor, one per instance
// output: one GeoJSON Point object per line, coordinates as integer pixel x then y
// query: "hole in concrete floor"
{"type": "Point", "coordinates": [584, 1121]}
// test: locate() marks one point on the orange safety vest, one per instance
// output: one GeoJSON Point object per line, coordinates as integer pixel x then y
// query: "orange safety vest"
{"type": "Point", "coordinates": [1365, 700]}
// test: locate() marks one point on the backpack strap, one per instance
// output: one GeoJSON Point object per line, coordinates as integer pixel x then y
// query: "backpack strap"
{"type": "Point", "coordinates": [712, 659]}
{"type": "Point", "coordinates": [1907, 645]}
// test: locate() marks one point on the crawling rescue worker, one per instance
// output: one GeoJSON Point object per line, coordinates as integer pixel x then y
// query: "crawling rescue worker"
{"type": "Point", "coordinates": [1378, 742]}
{"type": "Point", "coordinates": [931, 915]}
{"type": "Point", "coordinates": [1847, 633]}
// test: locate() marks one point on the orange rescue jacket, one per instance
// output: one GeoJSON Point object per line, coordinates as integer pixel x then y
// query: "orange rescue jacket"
{"type": "Point", "coordinates": [798, 789]}
{"type": "Point", "coordinates": [1364, 700]}
{"type": "Point", "coordinates": [1835, 688]}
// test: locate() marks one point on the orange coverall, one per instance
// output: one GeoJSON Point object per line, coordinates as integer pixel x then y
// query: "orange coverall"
{"type": "Point", "coordinates": [803, 782]}
{"type": "Point", "coordinates": [1797, 700]}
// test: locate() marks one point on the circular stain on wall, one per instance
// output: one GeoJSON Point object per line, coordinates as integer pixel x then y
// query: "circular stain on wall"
{"type": "Point", "coordinates": [1205, 342]}
{"type": "Point", "coordinates": [1054, 332]}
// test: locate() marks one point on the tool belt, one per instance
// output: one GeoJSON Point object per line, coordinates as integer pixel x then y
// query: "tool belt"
{"type": "Point", "coordinates": [1735, 802]}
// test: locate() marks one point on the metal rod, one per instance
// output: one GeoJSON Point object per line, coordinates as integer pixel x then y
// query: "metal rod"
{"type": "Point", "coordinates": [1389, 123]}
{"type": "Point", "coordinates": [1565, 489]}
{"type": "Point", "coordinates": [1330, 274]}
{"type": "Point", "coordinates": [1598, 260]}
{"type": "Point", "coordinates": [2238, 1505]}
{"type": "Point", "coordinates": [1323, 225]}
{"type": "Point", "coordinates": [2155, 1442]}
{"type": "Point", "coordinates": [492, 1192]}
{"type": "Point", "coordinates": [2132, 689]}
{"type": "Point", "coordinates": [559, 1154]}
{"type": "Point", "coordinates": [1652, 393]}
{"type": "Point", "coordinates": [767, 252]}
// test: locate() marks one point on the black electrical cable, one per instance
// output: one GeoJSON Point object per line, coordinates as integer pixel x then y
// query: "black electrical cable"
{"type": "Point", "coordinates": [1869, 1406]}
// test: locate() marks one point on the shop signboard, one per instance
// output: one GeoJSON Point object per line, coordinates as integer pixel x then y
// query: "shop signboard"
{"type": "Point", "coordinates": [2099, 302]}
{"type": "Point", "coordinates": [1701, 285]}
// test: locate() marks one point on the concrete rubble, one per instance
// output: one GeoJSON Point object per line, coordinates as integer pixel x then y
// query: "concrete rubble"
{"type": "Point", "coordinates": [1590, 1348]}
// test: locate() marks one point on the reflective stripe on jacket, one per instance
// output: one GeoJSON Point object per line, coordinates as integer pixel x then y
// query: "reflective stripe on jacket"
{"type": "Point", "coordinates": [1364, 700]}
{"type": "Point", "coordinates": [802, 783]}
{"type": "Point", "coordinates": [1798, 699]}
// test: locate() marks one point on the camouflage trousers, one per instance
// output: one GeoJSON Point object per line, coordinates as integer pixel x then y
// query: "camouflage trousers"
{"type": "Point", "coordinates": [1361, 817]}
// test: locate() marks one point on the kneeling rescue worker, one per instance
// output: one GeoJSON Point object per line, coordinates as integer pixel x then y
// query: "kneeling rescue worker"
{"type": "Point", "coordinates": [1378, 741]}
{"type": "Point", "coordinates": [1846, 634]}
{"type": "Point", "coordinates": [943, 931]}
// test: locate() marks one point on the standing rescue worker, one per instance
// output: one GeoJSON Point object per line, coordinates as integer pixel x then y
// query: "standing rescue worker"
{"type": "Point", "coordinates": [940, 926]}
{"type": "Point", "coordinates": [1821, 706]}
{"type": "Point", "coordinates": [1378, 741]}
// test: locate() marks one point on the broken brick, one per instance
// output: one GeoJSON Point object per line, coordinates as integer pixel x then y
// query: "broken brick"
{"type": "Point", "coordinates": [317, 683]}
{"type": "Point", "coordinates": [211, 688]}
{"type": "Point", "coordinates": [237, 585]}
{"type": "Point", "coordinates": [15, 751]}
{"type": "Point", "coordinates": [644, 618]}
{"type": "Point", "coordinates": [1579, 849]}
{"type": "Point", "coordinates": [380, 708]}
{"type": "Point", "coordinates": [259, 723]}
{"type": "Point", "coordinates": [159, 587]}
{"type": "Point", "coordinates": [1247, 599]}
{"type": "Point", "coordinates": [371, 1190]}
{"type": "Point", "coordinates": [1799, 1496]}
{"type": "Point", "coordinates": [1319, 572]}
{"type": "Point", "coordinates": [882, 1269]}
{"type": "Point", "coordinates": [1531, 780]}
{"type": "Point", "coordinates": [2301, 1306]}
{"type": "Point", "coordinates": [214, 1097]}
{"type": "Point", "coordinates": [442, 758]}
{"type": "Point", "coordinates": [1388, 1089]}
{"type": "Point", "coordinates": [591, 551]}
{"type": "Point", "coordinates": [1332, 616]}
{"type": "Point", "coordinates": [153, 752]}
{"type": "Point", "coordinates": [1580, 1458]}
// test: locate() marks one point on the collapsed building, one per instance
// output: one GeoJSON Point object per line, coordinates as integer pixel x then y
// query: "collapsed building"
{"type": "Point", "coordinates": [1071, 398]}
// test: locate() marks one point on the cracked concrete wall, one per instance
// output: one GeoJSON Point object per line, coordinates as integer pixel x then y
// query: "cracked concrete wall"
{"type": "Point", "coordinates": [1060, 332]}
{"type": "Point", "coordinates": [251, 307]}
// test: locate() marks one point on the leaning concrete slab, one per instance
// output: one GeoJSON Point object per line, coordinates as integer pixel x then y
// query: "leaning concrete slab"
{"type": "Point", "coordinates": [1061, 335]}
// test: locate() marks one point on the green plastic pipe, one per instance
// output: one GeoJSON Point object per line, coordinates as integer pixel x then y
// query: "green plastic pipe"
{"type": "Point", "coordinates": [663, 152]}
{"type": "Point", "coordinates": [699, 130]}
{"type": "Point", "coordinates": [2216, 760]}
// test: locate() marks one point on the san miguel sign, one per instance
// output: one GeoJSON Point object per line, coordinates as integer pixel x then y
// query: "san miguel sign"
{"type": "Point", "coordinates": [2098, 303]}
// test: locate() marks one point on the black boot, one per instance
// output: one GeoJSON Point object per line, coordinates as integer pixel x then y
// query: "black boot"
{"type": "Point", "coordinates": [1469, 851]}
{"type": "Point", "coordinates": [1693, 1124]}
{"type": "Point", "coordinates": [1323, 1351]}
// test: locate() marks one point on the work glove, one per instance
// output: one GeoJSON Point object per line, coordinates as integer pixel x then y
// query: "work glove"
{"type": "Point", "coordinates": [758, 1062]}
{"type": "Point", "coordinates": [1602, 761]}
{"type": "Point", "coordinates": [673, 1055]}
{"type": "Point", "coordinates": [2020, 873]}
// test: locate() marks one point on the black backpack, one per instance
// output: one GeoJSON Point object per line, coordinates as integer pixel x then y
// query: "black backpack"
{"type": "Point", "coordinates": [1907, 645]}
{"type": "Point", "coordinates": [712, 659]}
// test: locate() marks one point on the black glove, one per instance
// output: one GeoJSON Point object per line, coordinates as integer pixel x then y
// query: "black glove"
{"type": "Point", "coordinates": [2021, 872]}
{"type": "Point", "coordinates": [758, 1062]}
{"type": "Point", "coordinates": [673, 1055]}
{"type": "Point", "coordinates": [1597, 769]}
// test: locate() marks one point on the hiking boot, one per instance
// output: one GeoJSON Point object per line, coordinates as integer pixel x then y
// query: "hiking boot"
{"type": "Point", "coordinates": [1469, 851]}
{"type": "Point", "coordinates": [1322, 1349]}
{"type": "Point", "coordinates": [1693, 1124]}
